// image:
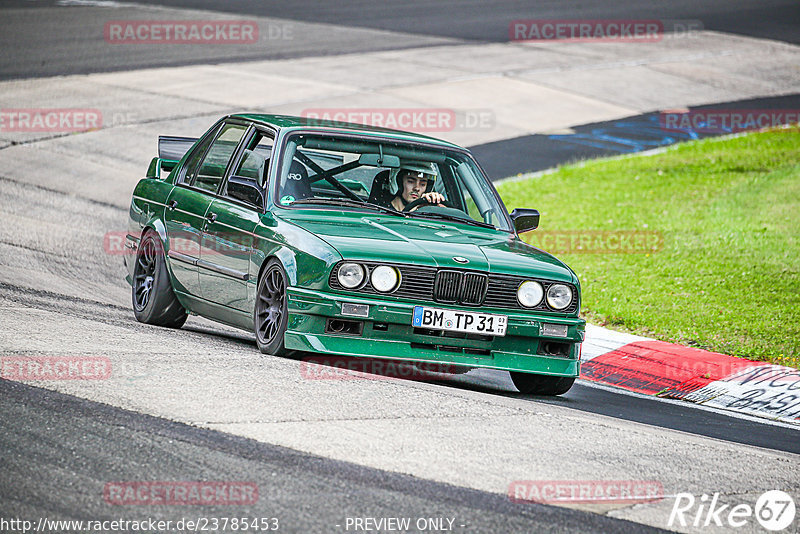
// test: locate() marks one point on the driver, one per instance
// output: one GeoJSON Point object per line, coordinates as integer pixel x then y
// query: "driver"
{"type": "Point", "coordinates": [415, 181]}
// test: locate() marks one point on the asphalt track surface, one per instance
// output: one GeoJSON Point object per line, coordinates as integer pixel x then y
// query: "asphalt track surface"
{"type": "Point", "coordinates": [587, 397]}
{"type": "Point", "coordinates": [75, 445]}
{"type": "Point", "coordinates": [49, 37]}
{"type": "Point", "coordinates": [488, 21]}
{"type": "Point", "coordinates": [59, 450]}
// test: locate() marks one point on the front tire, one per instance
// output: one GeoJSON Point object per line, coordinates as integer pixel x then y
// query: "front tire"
{"type": "Point", "coordinates": [271, 315]}
{"type": "Point", "coordinates": [153, 300]}
{"type": "Point", "coordinates": [541, 384]}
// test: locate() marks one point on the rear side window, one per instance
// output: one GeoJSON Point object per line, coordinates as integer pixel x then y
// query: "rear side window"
{"type": "Point", "coordinates": [196, 157]}
{"type": "Point", "coordinates": [208, 174]}
{"type": "Point", "coordinates": [254, 163]}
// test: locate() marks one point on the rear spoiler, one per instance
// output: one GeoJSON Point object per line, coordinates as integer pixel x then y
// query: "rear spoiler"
{"type": "Point", "coordinates": [170, 151]}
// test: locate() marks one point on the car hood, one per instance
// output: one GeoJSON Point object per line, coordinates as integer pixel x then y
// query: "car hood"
{"type": "Point", "coordinates": [417, 241]}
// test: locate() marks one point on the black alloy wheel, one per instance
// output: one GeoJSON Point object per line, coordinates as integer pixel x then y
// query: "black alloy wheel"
{"type": "Point", "coordinates": [154, 302]}
{"type": "Point", "coordinates": [271, 315]}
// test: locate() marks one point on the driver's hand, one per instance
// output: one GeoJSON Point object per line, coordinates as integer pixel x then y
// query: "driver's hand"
{"type": "Point", "coordinates": [433, 197]}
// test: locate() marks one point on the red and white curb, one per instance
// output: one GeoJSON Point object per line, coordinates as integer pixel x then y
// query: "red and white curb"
{"type": "Point", "coordinates": [673, 371]}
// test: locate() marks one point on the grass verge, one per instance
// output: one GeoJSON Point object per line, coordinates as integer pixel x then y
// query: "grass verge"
{"type": "Point", "coordinates": [697, 245]}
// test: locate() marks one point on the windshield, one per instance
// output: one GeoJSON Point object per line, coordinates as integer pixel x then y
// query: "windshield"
{"type": "Point", "coordinates": [324, 170]}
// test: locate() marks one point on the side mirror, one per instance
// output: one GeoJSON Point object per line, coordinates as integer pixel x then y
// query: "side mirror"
{"type": "Point", "coordinates": [525, 219]}
{"type": "Point", "coordinates": [245, 190]}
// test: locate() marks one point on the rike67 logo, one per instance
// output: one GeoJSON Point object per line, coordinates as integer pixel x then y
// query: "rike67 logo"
{"type": "Point", "coordinates": [774, 510]}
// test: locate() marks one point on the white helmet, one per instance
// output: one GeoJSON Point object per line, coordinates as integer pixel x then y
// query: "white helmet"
{"type": "Point", "coordinates": [417, 170]}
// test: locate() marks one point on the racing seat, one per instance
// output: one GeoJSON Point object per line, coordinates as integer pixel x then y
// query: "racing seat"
{"type": "Point", "coordinates": [380, 193]}
{"type": "Point", "coordinates": [297, 185]}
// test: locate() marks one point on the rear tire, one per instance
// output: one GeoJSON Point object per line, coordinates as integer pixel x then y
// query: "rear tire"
{"type": "Point", "coordinates": [271, 314]}
{"type": "Point", "coordinates": [153, 300]}
{"type": "Point", "coordinates": [541, 384]}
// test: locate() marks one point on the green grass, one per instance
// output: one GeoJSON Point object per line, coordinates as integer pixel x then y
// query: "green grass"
{"type": "Point", "coordinates": [726, 278]}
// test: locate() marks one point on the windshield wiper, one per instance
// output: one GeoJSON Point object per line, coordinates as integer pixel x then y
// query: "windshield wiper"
{"type": "Point", "coordinates": [348, 202]}
{"type": "Point", "coordinates": [448, 217]}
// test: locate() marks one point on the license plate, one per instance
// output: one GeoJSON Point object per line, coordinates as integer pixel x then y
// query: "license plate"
{"type": "Point", "coordinates": [460, 321]}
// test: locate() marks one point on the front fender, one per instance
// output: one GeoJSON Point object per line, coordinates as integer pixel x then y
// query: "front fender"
{"type": "Point", "coordinates": [288, 258]}
{"type": "Point", "coordinates": [305, 257]}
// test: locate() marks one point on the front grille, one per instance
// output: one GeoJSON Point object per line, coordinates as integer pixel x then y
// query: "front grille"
{"type": "Point", "coordinates": [448, 286]}
{"type": "Point", "coordinates": [502, 292]}
{"type": "Point", "coordinates": [460, 287]}
{"type": "Point", "coordinates": [474, 289]}
{"type": "Point", "coordinates": [416, 283]}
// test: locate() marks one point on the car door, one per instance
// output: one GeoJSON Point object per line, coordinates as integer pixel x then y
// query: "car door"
{"type": "Point", "coordinates": [225, 266]}
{"type": "Point", "coordinates": [188, 203]}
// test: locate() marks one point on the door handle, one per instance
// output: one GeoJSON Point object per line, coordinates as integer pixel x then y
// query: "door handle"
{"type": "Point", "coordinates": [211, 217]}
{"type": "Point", "coordinates": [172, 204]}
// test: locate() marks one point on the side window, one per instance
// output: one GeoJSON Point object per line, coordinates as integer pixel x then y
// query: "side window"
{"type": "Point", "coordinates": [451, 188]}
{"type": "Point", "coordinates": [208, 174]}
{"type": "Point", "coordinates": [478, 196]}
{"type": "Point", "coordinates": [196, 157]}
{"type": "Point", "coordinates": [255, 160]}
{"type": "Point", "coordinates": [245, 182]}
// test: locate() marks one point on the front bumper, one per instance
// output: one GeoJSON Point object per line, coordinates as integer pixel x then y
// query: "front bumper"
{"type": "Point", "coordinates": [387, 333]}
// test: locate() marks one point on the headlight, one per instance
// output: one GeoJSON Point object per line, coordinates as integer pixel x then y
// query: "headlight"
{"type": "Point", "coordinates": [384, 278]}
{"type": "Point", "coordinates": [559, 296]}
{"type": "Point", "coordinates": [530, 293]}
{"type": "Point", "coordinates": [350, 275]}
